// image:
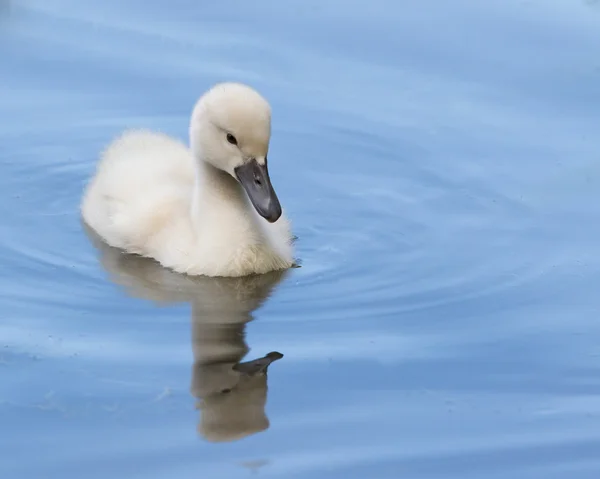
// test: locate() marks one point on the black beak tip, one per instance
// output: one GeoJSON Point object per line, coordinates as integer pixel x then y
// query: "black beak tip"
{"type": "Point", "coordinates": [273, 216]}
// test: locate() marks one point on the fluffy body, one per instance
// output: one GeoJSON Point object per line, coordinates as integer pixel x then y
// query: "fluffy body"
{"type": "Point", "coordinates": [152, 195]}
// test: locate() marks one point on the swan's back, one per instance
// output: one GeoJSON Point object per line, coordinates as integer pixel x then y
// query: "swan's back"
{"type": "Point", "coordinates": [143, 184]}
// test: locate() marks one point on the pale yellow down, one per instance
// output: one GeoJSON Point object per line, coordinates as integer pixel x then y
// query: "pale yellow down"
{"type": "Point", "coordinates": [183, 206]}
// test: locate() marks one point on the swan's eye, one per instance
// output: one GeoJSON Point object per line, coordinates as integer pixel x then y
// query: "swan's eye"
{"type": "Point", "coordinates": [231, 139]}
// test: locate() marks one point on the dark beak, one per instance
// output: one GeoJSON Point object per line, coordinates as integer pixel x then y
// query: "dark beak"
{"type": "Point", "coordinates": [255, 180]}
{"type": "Point", "coordinates": [259, 365]}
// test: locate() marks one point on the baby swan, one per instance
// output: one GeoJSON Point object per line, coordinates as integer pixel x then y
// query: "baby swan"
{"type": "Point", "coordinates": [205, 210]}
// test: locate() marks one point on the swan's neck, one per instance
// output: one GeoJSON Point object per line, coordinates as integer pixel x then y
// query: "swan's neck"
{"type": "Point", "coordinates": [219, 202]}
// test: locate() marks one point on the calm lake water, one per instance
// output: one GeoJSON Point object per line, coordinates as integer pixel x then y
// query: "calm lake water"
{"type": "Point", "coordinates": [440, 161]}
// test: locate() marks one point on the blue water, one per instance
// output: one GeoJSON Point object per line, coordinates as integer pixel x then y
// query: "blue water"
{"type": "Point", "coordinates": [440, 161]}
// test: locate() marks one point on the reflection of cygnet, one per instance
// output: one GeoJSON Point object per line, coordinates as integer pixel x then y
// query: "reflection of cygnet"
{"type": "Point", "coordinates": [232, 397]}
{"type": "Point", "coordinates": [231, 394]}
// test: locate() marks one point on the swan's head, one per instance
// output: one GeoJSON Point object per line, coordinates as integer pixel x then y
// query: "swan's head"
{"type": "Point", "coordinates": [230, 129]}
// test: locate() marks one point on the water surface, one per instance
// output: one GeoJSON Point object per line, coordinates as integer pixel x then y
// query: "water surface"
{"type": "Point", "coordinates": [440, 162]}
